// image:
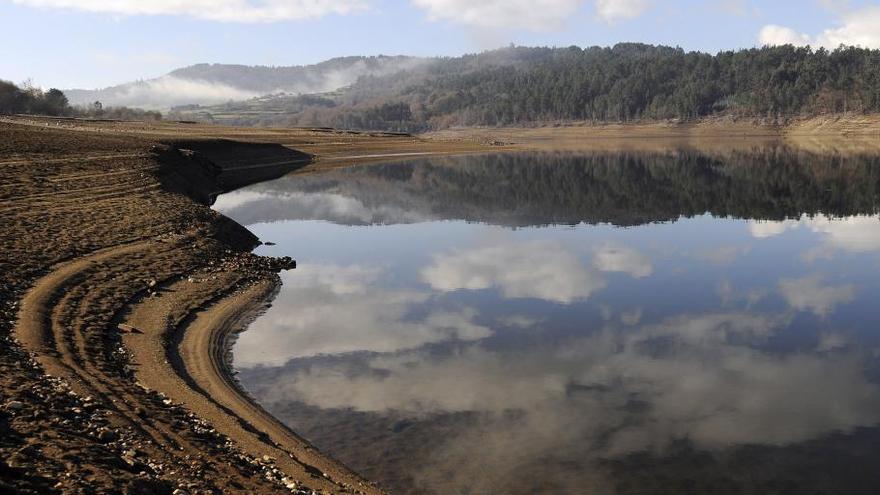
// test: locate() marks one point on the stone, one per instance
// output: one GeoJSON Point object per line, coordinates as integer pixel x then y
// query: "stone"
{"type": "Point", "coordinates": [106, 435]}
{"type": "Point", "coordinates": [146, 486]}
{"type": "Point", "coordinates": [14, 405]}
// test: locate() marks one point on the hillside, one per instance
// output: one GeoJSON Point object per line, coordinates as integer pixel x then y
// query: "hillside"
{"type": "Point", "coordinates": [216, 83]}
{"type": "Point", "coordinates": [626, 82]}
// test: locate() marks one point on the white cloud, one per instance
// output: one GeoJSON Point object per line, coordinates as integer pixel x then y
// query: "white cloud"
{"type": "Point", "coordinates": [632, 317]}
{"type": "Point", "coordinates": [774, 35]}
{"type": "Point", "coordinates": [535, 15]}
{"type": "Point", "coordinates": [620, 10]}
{"type": "Point", "coordinates": [238, 199]}
{"type": "Point", "coordinates": [611, 258]}
{"type": "Point", "coordinates": [214, 10]}
{"type": "Point", "coordinates": [858, 234]}
{"type": "Point", "coordinates": [701, 375]}
{"type": "Point", "coordinates": [856, 27]}
{"type": "Point", "coordinates": [855, 234]}
{"type": "Point", "coordinates": [535, 269]}
{"type": "Point", "coordinates": [730, 295]}
{"type": "Point", "coordinates": [332, 309]}
{"type": "Point", "coordinates": [762, 229]}
{"type": "Point", "coordinates": [832, 342]}
{"type": "Point", "coordinates": [267, 204]}
{"type": "Point", "coordinates": [808, 293]}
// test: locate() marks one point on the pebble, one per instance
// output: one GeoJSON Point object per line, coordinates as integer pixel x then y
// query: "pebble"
{"type": "Point", "coordinates": [14, 405]}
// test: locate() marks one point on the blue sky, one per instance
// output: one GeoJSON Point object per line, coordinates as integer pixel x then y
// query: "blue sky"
{"type": "Point", "coordinates": [96, 43]}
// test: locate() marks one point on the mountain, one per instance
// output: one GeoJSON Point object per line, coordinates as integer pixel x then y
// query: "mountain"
{"type": "Point", "coordinates": [626, 82]}
{"type": "Point", "coordinates": [205, 84]}
{"type": "Point", "coordinates": [517, 86]}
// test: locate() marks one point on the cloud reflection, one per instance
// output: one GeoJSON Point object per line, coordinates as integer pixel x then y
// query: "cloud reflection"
{"type": "Point", "coordinates": [536, 269]}
{"type": "Point", "coordinates": [613, 258]}
{"type": "Point", "coordinates": [855, 234]}
{"type": "Point", "coordinates": [808, 293]}
{"type": "Point", "coordinates": [253, 205]}
{"type": "Point", "coordinates": [699, 377]}
{"type": "Point", "coordinates": [328, 309]}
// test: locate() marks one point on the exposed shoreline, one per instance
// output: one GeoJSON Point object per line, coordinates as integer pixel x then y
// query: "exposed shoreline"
{"type": "Point", "coordinates": [132, 289]}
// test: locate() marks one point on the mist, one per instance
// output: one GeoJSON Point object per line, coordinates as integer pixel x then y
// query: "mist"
{"type": "Point", "coordinates": [209, 84]}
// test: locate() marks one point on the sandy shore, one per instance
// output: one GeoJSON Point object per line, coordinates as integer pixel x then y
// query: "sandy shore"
{"type": "Point", "coordinates": [122, 288]}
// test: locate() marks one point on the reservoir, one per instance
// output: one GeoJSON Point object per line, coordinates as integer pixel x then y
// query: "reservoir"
{"type": "Point", "coordinates": [614, 322]}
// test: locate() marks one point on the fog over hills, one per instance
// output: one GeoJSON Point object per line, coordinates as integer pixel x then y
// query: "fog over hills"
{"type": "Point", "coordinates": [214, 84]}
{"type": "Point", "coordinates": [517, 86]}
{"type": "Point", "coordinates": [205, 84]}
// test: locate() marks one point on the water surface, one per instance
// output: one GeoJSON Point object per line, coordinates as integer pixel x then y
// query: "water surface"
{"type": "Point", "coordinates": [578, 323]}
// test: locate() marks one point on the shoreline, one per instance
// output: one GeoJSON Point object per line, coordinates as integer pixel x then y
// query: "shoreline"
{"type": "Point", "coordinates": [133, 291]}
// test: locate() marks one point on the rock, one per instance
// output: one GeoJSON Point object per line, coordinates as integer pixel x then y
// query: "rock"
{"type": "Point", "coordinates": [14, 405]}
{"type": "Point", "coordinates": [106, 435]}
{"type": "Point", "coordinates": [146, 486]}
{"type": "Point", "coordinates": [123, 327]}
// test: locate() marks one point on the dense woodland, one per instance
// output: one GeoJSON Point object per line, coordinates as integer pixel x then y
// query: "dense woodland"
{"type": "Point", "coordinates": [525, 86]}
{"type": "Point", "coordinates": [34, 101]}
{"type": "Point", "coordinates": [519, 85]}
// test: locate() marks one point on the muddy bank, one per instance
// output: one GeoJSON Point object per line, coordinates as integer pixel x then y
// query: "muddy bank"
{"type": "Point", "coordinates": [120, 290]}
{"type": "Point", "coordinates": [833, 133]}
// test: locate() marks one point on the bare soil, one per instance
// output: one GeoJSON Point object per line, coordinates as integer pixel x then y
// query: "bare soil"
{"type": "Point", "coordinates": [120, 290]}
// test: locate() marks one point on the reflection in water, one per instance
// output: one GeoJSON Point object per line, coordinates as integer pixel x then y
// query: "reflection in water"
{"type": "Point", "coordinates": [486, 325]}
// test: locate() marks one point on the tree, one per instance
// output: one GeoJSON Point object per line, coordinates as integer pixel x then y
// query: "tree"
{"type": "Point", "coordinates": [56, 102]}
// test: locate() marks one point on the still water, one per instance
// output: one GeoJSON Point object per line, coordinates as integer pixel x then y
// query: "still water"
{"type": "Point", "coordinates": [679, 322]}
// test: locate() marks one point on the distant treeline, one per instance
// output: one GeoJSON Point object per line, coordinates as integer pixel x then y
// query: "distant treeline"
{"type": "Point", "coordinates": [34, 101]}
{"type": "Point", "coordinates": [521, 86]}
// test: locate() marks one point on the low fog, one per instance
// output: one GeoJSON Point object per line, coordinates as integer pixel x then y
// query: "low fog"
{"type": "Point", "coordinates": [208, 84]}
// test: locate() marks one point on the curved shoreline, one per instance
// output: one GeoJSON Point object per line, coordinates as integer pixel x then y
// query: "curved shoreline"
{"type": "Point", "coordinates": [133, 290]}
{"type": "Point", "coordinates": [114, 370]}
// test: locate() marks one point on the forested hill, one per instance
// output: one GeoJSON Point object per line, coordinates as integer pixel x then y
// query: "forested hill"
{"type": "Point", "coordinates": [520, 85]}
{"type": "Point", "coordinates": [214, 83]}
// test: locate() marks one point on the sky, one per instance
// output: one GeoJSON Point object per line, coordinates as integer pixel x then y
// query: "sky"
{"type": "Point", "coordinates": [97, 43]}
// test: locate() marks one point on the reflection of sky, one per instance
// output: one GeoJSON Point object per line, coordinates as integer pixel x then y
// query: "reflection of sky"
{"type": "Point", "coordinates": [604, 341]}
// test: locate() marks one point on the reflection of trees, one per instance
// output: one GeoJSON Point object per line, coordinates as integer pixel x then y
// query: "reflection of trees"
{"type": "Point", "coordinates": [618, 188]}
